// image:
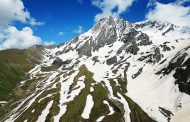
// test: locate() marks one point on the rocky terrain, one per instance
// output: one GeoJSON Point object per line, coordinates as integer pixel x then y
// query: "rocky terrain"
{"type": "Point", "coordinates": [115, 72]}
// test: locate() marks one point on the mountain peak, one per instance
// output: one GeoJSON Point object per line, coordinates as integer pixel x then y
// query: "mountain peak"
{"type": "Point", "coordinates": [109, 22]}
{"type": "Point", "coordinates": [107, 18]}
{"type": "Point", "coordinates": [103, 23]}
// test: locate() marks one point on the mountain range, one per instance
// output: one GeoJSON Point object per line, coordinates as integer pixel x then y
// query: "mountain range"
{"type": "Point", "coordinates": [115, 72]}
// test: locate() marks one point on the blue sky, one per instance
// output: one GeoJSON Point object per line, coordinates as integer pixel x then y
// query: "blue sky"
{"type": "Point", "coordinates": [66, 15]}
{"type": "Point", "coordinates": [31, 22]}
{"type": "Point", "coordinates": [61, 16]}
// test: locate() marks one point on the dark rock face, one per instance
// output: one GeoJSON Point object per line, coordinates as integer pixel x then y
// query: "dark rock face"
{"type": "Point", "coordinates": [151, 24]}
{"type": "Point", "coordinates": [125, 70]}
{"type": "Point", "coordinates": [154, 56]}
{"type": "Point", "coordinates": [65, 50]}
{"type": "Point", "coordinates": [182, 76]}
{"type": "Point", "coordinates": [171, 28]}
{"type": "Point", "coordinates": [173, 65]}
{"type": "Point", "coordinates": [154, 24]}
{"type": "Point", "coordinates": [121, 48]}
{"type": "Point", "coordinates": [66, 62]}
{"type": "Point", "coordinates": [138, 73]}
{"type": "Point", "coordinates": [121, 25]}
{"type": "Point", "coordinates": [106, 35]}
{"type": "Point", "coordinates": [133, 49]}
{"type": "Point", "coordinates": [134, 38]}
{"type": "Point", "coordinates": [165, 47]}
{"type": "Point", "coordinates": [143, 39]}
{"type": "Point", "coordinates": [102, 22]}
{"type": "Point", "coordinates": [166, 113]}
{"type": "Point", "coordinates": [67, 46]}
{"type": "Point", "coordinates": [106, 32]}
{"type": "Point", "coordinates": [86, 48]}
{"type": "Point", "coordinates": [130, 36]}
{"type": "Point", "coordinates": [58, 62]}
{"type": "Point", "coordinates": [111, 60]}
{"type": "Point", "coordinates": [182, 71]}
{"type": "Point", "coordinates": [95, 59]}
{"type": "Point", "coordinates": [157, 55]}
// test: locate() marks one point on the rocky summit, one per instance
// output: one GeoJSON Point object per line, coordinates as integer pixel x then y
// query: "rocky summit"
{"type": "Point", "coordinates": [115, 72]}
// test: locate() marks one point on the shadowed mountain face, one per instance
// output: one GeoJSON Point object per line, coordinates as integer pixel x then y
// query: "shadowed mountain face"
{"type": "Point", "coordinates": [117, 71]}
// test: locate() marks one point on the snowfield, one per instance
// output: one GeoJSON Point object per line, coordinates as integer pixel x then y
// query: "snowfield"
{"type": "Point", "coordinates": [88, 107]}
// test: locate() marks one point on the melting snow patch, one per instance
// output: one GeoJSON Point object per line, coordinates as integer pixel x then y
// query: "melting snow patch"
{"type": "Point", "coordinates": [33, 110]}
{"type": "Point", "coordinates": [64, 94]}
{"type": "Point", "coordinates": [126, 107]}
{"type": "Point", "coordinates": [100, 119]}
{"type": "Point", "coordinates": [3, 102]}
{"type": "Point", "coordinates": [77, 89]}
{"type": "Point", "coordinates": [15, 115]}
{"type": "Point", "coordinates": [91, 89]}
{"type": "Point", "coordinates": [49, 95]}
{"type": "Point", "coordinates": [88, 107]}
{"type": "Point", "coordinates": [81, 78]}
{"type": "Point", "coordinates": [45, 112]}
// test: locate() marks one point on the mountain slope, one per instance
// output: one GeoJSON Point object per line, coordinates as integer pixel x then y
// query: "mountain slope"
{"type": "Point", "coordinates": [14, 64]}
{"type": "Point", "coordinates": [117, 71]}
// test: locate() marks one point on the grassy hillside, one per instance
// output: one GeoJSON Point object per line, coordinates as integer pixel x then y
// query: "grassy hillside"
{"type": "Point", "coordinates": [14, 64]}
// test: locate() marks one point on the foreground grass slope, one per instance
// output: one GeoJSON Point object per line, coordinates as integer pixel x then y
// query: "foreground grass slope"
{"type": "Point", "coordinates": [14, 64]}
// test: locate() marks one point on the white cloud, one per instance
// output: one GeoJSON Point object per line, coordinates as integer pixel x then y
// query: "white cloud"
{"type": "Point", "coordinates": [79, 30]}
{"type": "Point", "coordinates": [47, 43]}
{"type": "Point", "coordinates": [173, 13]}
{"type": "Point", "coordinates": [35, 22]}
{"type": "Point", "coordinates": [61, 33]}
{"type": "Point", "coordinates": [14, 10]}
{"type": "Point", "coordinates": [10, 36]}
{"type": "Point", "coordinates": [151, 3]}
{"type": "Point", "coordinates": [13, 38]}
{"type": "Point", "coordinates": [111, 7]}
{"type": "Point", "coordinates": [181, 2]}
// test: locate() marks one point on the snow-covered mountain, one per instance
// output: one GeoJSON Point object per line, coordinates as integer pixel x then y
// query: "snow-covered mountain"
{"type": "Point", "coordinates": [117, 71]}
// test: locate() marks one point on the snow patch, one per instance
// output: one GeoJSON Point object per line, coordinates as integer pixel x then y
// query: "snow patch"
{"type": "Point", "coordinates": [45, 112]}
{"type": "Point", "coordinates": [100, 118]}
{"type": "Point", "coordinates": [88, 107]}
